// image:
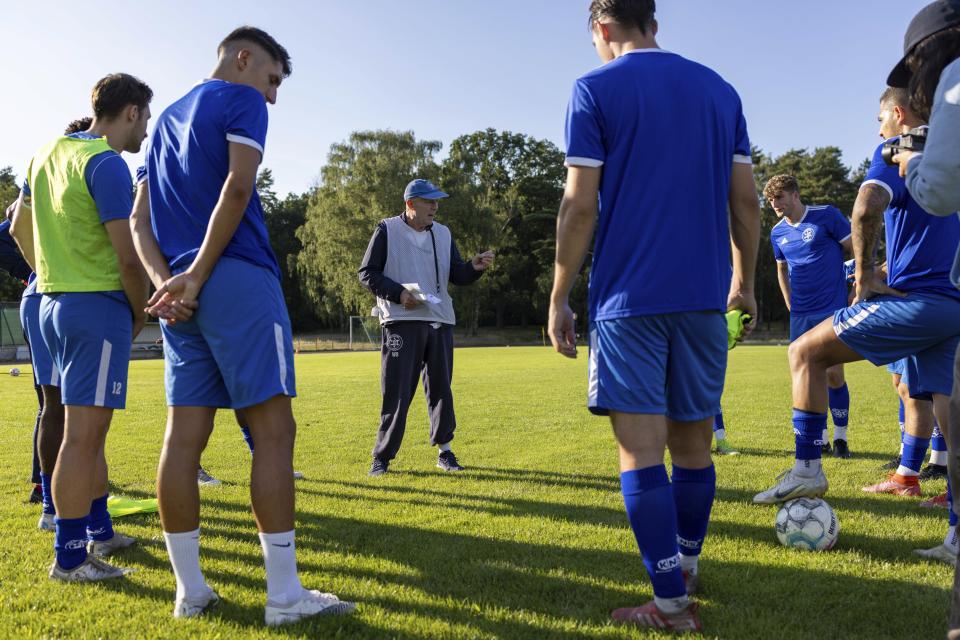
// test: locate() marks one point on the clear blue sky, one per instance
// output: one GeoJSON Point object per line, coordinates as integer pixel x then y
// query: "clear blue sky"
{"type": "Point", "coordinates": [809, 72]}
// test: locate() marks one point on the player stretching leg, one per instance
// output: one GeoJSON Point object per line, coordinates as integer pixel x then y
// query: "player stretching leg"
{"type": "Point", "coordinates": [72, 226]}
{"type": "Point", "coordinates": [808, 244]}
{"type": "Point", "coordinates": [914, 315]}
{"type": "Point", "coordinates": [208, 231]}
{"type": "Point", "coordinates": [657, 343]}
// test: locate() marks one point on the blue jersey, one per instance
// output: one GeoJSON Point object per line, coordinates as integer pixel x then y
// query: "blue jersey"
{"type": "Point", "coordinates": [920, 246]}
{"type": "Point", "coordinates": [187, 165]}
{"type": "Point", "coordinates": [666, 132]}
{"type": "Point", "coordinates": [811, 248]}
{"type": "Point", "coordinates": [10, 259]}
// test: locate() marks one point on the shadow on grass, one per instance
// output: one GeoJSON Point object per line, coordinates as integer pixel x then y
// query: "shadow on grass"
{"type": "Point", "coordinates": [491, 586]}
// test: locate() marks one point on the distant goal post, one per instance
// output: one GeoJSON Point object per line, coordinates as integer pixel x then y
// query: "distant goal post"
{"type": "Point", "coordinates": [365, 332]}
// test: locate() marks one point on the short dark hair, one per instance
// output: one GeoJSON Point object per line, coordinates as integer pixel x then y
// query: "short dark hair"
{"type": "Point", "coordinates": [895, 96]}
{"type": "Point", "coordinates": [264, 40]}
{"type": "Point", "coordinates": [926, 62]}
{"type": "Point", "coordinates": [115, 92]}
{"type": "Point", "coordinates": [629, 13]}
{"type": "Point", "coordinates": [80, 124]}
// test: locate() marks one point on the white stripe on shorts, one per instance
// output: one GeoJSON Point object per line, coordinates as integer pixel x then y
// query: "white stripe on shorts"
{"type": "Point", "coordinates": [54, 375]}
{"type": "Point", "coordinates": [855, 320]}
{"type": "Point", "coordinates": [100, 398]}
{"type": "Point", "coordinates": [281, 356]}
{"type": "Point", "coordinates": [593, 382]}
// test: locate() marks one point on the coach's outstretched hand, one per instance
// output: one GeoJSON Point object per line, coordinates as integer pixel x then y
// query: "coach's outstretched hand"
{"type": "Point", "coordinates": [747, 303]}
{"type": "Point", "coordinates": [176, 299]}
{"type": "Point", "coordinates": [871, 283]}
{"type": "Point", "coordinates": [562, 329]}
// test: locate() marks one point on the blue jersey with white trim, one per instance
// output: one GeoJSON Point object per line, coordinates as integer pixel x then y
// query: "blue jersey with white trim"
{"type": "Point", "coordinates": [920, 246]}
{"type": "Point", "coordinates": [666, 132]}
{"type": "Point", "coordinates": [811, 248]}
{"type": "Point", "coordinates": [187, 164]}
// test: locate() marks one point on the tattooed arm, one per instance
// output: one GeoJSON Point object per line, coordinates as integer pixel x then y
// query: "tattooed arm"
{"type": "Point", "coordinates": [867, 221]}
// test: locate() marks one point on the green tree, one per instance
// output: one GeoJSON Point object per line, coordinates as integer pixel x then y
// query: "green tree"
{"type": "Point", "coordinates": [283, 218]}
{"type": "Point", "coordinates": [361, 184]}
{"type": "Point", "coordinates": [506, 188]}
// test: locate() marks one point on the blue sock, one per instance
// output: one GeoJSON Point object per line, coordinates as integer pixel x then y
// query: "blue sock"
{"type": "Point", "coordinates": [914, 450]}
{"type": "Point", "coordinates": [839, 400]}
{"type": "Point", "coordinates": [99, 526]}
{"type": "Point", "coordinates": [808, 433]}
{"type": "Point", "coordinates": [70, 542]}
{"type": "Point", "coordinates": [46, 482]}
{"type": "Point", "coordinates": [718, 422]}
{"type": "Point", "coordinates": [693, 491]}
{"type": "Point", "coordinates": [938, 442]}
{"type": "Point", "coordinates": [246, 436]}
{"type": "Point", "coordinates": [653, 517]}
{"type": "Point", "coordinates": [952, 516]}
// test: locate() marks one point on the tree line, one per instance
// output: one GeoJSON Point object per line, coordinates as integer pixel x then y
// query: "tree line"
{"type": "Point", "coordinates": [505, 189]}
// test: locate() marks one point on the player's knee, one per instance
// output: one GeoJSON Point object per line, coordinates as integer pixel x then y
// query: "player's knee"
{"type": "Point", "coordinates": [834, 379]}
{"type": "Point", "coordinates": [797, 355]}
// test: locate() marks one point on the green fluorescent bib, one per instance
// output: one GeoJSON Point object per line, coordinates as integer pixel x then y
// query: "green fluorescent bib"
{"type": "Point", "coordinates": [73, 250]}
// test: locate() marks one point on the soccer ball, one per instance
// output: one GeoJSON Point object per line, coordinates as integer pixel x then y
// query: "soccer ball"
{"type": "Point", "coordinates": [807, 523]}
{"type": "Point", "coordinates": [14, 372]}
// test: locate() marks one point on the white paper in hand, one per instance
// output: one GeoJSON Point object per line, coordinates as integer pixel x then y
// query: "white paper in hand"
{"type": "Point", "coordinates": [414, 289]}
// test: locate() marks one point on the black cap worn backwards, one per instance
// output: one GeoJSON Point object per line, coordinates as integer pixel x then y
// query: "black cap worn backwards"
{"type": "Point", "coordinates": [933, 18]}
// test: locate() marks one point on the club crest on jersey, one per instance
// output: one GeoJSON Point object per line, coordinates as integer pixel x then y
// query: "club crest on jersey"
{"type": "Point", "coordinates": [808, 234]}
{"type": "Point", "coordinates": [394, 343]}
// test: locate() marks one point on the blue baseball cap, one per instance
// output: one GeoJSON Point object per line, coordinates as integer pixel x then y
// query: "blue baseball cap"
{"type": "Point", "coordinates": [421, 188]}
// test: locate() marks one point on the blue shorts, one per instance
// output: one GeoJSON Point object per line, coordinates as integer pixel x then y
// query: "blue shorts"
{"type": "Point", "coordinates": [44, 371]}
{"type": "Point", "coordinates": [897, 368]}
{"type": "Point", "coordinates": [801, 323]}
{"type": "Point", "coordinates": [923, 327]}
{"type": "Point", "coordinates": [89, 336]}
{"type": "Point", "coordinates": [237, 349]}
{"type": "Point", "coordinates": [671, 364]}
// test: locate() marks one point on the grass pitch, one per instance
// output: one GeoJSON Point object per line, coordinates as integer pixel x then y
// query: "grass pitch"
{"type": "Point", "coordinates": [530, 542]}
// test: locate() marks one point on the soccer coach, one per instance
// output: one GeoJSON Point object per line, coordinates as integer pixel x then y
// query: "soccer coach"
{"type": "Point", "coordinates": [417, 322]}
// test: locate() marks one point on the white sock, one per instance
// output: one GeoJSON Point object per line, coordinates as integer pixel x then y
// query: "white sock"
{"type": "Point", "coordinates": [444, 447]}
{"type": "Point", "coordinates": [672, 606]}
{"type": "Point", "coordinates": [826, 436]}
{"type": "Point", "coordinates": [950, 541]}
{"type": "Point", "coordinates": [689, 563]}
{"type": "Point", "coordinates": [938, 458]}
{"type": "Point", "coordinates": [720, 434]}
{"type": "Point", "coordinates": [280, 558]}
{"type": "Point", "coordinates": [839, 433]}
{"type": "Point", "coordinates": [807, 468]}
{"type": "Point", "coordinates": [906, 472]}
{"type": "Point", "coordinates": [184, 551]}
